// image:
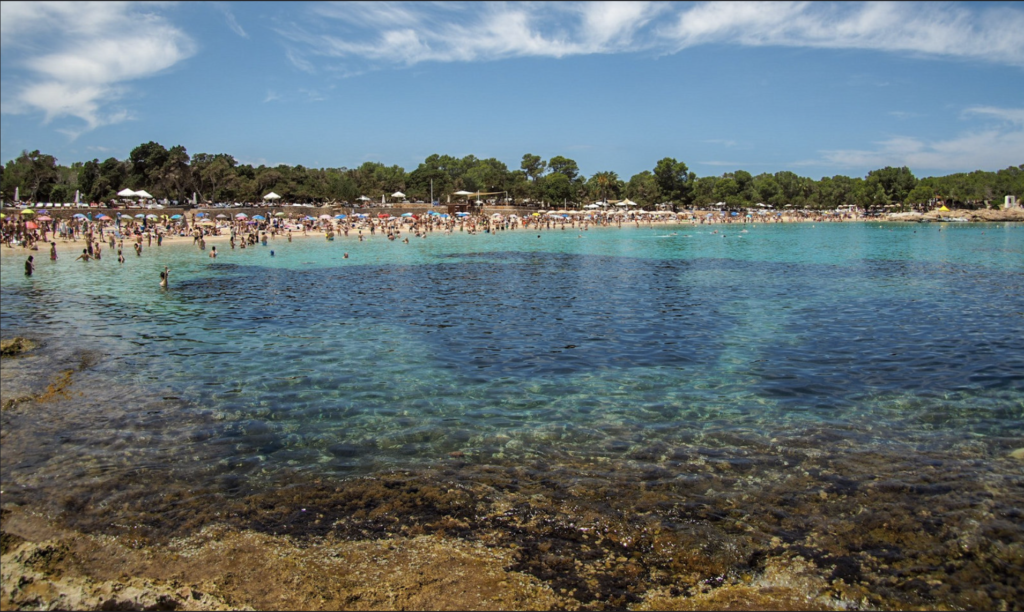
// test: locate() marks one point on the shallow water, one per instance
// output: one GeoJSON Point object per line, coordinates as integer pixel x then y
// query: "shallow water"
{"type": "Point", "coordinates": [733, 370]}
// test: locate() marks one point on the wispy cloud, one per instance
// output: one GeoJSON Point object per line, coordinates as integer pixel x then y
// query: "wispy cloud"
{"type": "Point", "coordinates": [931, 29]}
{"type": "Point", "coordinates": [996, 144]}
{"type": "Point", "coordinates": [904, 114]}
{"type": "Point", "coordinates": [410, 33]}
{"type": "Point", "coordinates": [229, 16]}
{"type": "Point", "coordinates": [399, 33]}
{"type": "Point", "coordinates": [91, 51]}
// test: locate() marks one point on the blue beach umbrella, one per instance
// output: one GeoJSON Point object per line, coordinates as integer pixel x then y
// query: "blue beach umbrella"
{"type": "Point", "coordinates": [340, 216]}
{"type": "Point", "coordinates": [175, 216]}
{"type": "Point", "coordinates": [200, 214]}
{"type": "Point", "coordinates": [78, 216]}
{"type": "Point", "coordinates": [734, 214]}
{"type": "Point", "coordinates": [259, 217]}
{"type": "Point", "coordinates": [140, 216]}
{"type": "Point", "coordinates": [444, 215]}
{"type": "Point", "coordinates": [406, 214]}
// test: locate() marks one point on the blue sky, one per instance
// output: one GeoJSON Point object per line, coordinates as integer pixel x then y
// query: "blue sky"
{"type": "Point", "coordinates": [816, 88]}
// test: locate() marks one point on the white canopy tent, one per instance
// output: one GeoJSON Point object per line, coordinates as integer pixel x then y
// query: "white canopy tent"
{"type": "Point", "coordinates": [127, 193]}
{"type": "Point", "coordinates": [142, 193]}
{"type": "Point", "coordinates": [398, 194]}
{"type": "Point", "coordinates": [271, 196]}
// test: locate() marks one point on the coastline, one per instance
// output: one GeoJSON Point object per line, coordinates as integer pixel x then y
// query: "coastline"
{"type": "Point", "coordinates": [73, 247]}
{"type": "Point", "coordinates": [818, 520]}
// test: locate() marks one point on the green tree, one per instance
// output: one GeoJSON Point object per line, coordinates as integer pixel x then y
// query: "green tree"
{"type": "Point", "coordinates": [533, 166]}
{"type": "Point", "coordinates": [605, 185]}
{"type": "Point", "coordinates": [643, 188]}
{"type": "Point", "coordinates": [32, 174]}
{"type": "Point", "coordinates": [675, 181]}
{"type": "Point", "coordinates": [145, 164]}
{"type": "Point", "coordinates": [896, 183]}
{"type": "Point", "coordinates": [564, 165]}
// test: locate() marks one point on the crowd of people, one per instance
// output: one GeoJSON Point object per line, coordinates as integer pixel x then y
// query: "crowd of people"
{"type": "Point", "coordinates": [243, 232]}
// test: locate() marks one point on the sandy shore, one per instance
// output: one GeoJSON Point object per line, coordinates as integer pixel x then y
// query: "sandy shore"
{"type": "Point", "coordinates": [73, 248]}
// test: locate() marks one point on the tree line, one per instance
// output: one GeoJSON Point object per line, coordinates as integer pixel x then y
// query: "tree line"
{"type": "Point", "coordinates": [175, 175]}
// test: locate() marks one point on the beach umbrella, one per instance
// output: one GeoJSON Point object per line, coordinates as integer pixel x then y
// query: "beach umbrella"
{"type": "Point", "coordinates": [271, 196]}
{"type": "Point", "coordinates": [241, 216]}
{"type": "Point", "coordinates": [398, 194]}
{"type": "Point", "coordinates": [3, 216]}
{"type": "Point", "coordinates": [340, 216]}
{"type": "Point", "coordinates": [222, 216]}
{"type": "Point", "coordinates": [28, 212]}
{"type": "Point", "coordinates": [30, 225]}
{"type": "Point", "coordinates": [406, 214]}
{"type": "Point", "coordinates": [126, 193]}
{"type": "Point", "coordinates": [140, 216]}
{"type": "Point", "coordinates": [200, 214]}
{"type": "Point", "coordinates": [734, 214]}
{"type": "Point", "coordinates": [44, 218]}
{"type": "Point", "coordinates": [152, 217]}
{"type": "Point", "coordinates": [444, 215]}
{"type": "Point", "coordinates": [175, 216]}
{"type": "Point", "coordinates": [78, 216]}
{"type": "Point", "coordinates": [280, 213]}
{"type": "Point", "coordinates": [363, 198]}
{"type": "Point", "coordinates": [362, 216]}
{"type": "Point", "coordinates": [101, 217]}
{"type": "Point", "coordinates": [463, 193]}
{"type": "Point", "coordinates": [142, 193]}
{"type": "Point", "coordinates": [382, 216]}
{"type": "Point", "coordinates": [259, 217]}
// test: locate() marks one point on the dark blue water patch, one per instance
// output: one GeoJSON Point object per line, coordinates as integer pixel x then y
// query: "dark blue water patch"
{"type": "Point", "coordinates": [803, 331]}
{"type": "Point", "coordinates": [512, 315]}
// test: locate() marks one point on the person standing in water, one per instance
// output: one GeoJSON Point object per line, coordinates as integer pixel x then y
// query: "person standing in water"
{"type": "Point", "coordinates": [53, 251]}
{"type": "Point", "coordinates": [29, 266]}
{"type": "Point", "coordinates": [164, 277]}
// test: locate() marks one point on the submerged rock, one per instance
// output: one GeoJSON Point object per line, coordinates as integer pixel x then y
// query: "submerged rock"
{"type": "Point", "coordinates": [15, 346]}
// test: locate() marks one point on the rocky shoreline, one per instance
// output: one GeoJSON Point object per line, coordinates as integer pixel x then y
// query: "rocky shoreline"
{"type": "Point", "coordinates": [1010, 215]}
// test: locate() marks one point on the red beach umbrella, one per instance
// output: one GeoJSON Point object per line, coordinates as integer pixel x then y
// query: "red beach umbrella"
{"type": "Point", "coordinates": [30, 225]}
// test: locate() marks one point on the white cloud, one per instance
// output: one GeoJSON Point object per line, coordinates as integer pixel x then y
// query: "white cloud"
{"type": "Point", "coordinates": [89, 52]}
{"type": "Point", "coordinates": [236, 27]}
{"type": "Point", "coordinates": [929, 29]}
{"type": "Point", "coordinates": [408, 33]}
{"type": "Point", "coordinates": [988, 147]}
{"type": "Point", "coordinates": [1011, 115]}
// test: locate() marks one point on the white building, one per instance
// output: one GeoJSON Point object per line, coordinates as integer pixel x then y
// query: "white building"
{"type": "Point", "coordinates": [1011, 202]}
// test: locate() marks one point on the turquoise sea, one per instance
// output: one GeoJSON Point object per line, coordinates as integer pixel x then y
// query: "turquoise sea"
{"type": "Point", "coordinates": [762, 382]}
